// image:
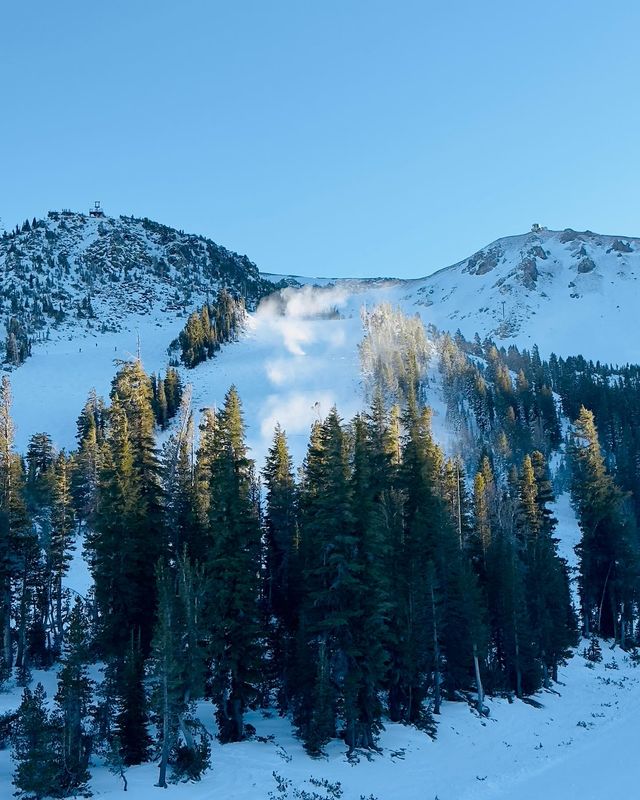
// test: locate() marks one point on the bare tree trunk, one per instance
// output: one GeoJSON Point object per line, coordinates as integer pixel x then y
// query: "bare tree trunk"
{"type": "Point", "coordinates": [479, 686]}
{"type": "Point", "coordinates": [436, 657]}
{"type": "Point", "coordinates": [57, 639]}
{"type": "Point", "coordinates": [7, 646]}
{"type": "Point", "coordinates": [164, 756]}
{"type": "Point", "coordinates": [545, 671]}
{"type": "Point", "coordinates": [604, 589]}
{"type": "Point", "coordinates": [22, 629]}
{"type": "Point", "coordinates": [182, 722]}
{"type": "Point", "coordinates": [517, 646]}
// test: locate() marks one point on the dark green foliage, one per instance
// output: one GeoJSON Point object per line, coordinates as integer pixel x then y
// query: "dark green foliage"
{"type": "Point", "coordinates": [378, 584]}
{"type": "Point", "coordinates": [17, 344]}
{"type": "Point", "coordinates": [128, 535]}
{"type": "Point", "coordinates": [209, 328]}
{"type": "Point", "coordinates": [232, 558]}
{"type": "Point", "coordinates": [166, 396]}
{"type": "Point", "coordinates": [72, 707]}
{"type": "Point", "coordinates": [177, 669]}
{"type": "Point", "coordinates": [55, 270]}
{"type": "Point", "coordinates": [130, 730]}
{"type": "Point", "coordinates": [35, 753]}
{"type": "Point", "coordinates": [282, 589]}
{"type": "Point", "coordinates": [609, 548]}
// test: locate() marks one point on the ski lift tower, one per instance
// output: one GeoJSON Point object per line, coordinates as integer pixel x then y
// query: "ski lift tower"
{"type": "Point", "coordinates": [96, 211]}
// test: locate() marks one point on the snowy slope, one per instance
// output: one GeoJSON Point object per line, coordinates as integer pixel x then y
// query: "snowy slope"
{"type": "Point", "coordinates": [71, 273]}
{"type": "Point", "coordinates": [568, 292]}
{"type": "Point", "coordinates": [580, 745]}
{"type": "Point", "coordinates": [297, 357]}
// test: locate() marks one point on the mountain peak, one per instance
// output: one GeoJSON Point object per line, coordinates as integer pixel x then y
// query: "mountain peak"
{"type": "Point", "coordinates": [74, 268]}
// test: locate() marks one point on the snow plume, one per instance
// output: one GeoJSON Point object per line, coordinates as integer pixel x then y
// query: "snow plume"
{"type": "Point", "coordinates": [308, 302]}
{"type": "Point", "coordinates": [394, 353]}
{"type": "Point", "coordinates": [295, 412]}
{"type": "Point", "coordinates": [294, 313]}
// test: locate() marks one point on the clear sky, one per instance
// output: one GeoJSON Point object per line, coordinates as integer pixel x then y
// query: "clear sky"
{"type": "Point", "coordinates": [326, 137]}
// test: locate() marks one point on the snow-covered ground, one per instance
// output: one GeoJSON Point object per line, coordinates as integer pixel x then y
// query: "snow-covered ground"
{"type": "Point", "coordinates": [291, 368]}
{"type": "Point", "coordinates": [288, 367]}
{"type": "Point", "coordinates": [581, 744]}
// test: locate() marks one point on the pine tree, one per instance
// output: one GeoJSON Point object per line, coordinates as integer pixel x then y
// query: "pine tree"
{"type": "Point", "coordinates": [608, 550]}
{"type": "Point", "coordinates": [130, 730]}
{"type": "Point", "coordinates": [34, 748]}
{"type": "Point", "coordinates": [368, 635]}
{"type": "Point", "coordinates": [183, 523]}
{"type": "Point", "coordinates": [129, 532]}
{"type": "Point", "coordinates": [61, 542]}
{"type": "Point", "coordinates": [232, 568]}
{"type": "Point", "coordinates": [515, 662]}
{"type": "Point", "coordinates": [548, 593]}
{"type": "Point", "coordinates": [73, 701]}
{"type": "Point", "coordinates": [328, 540]}
{"type": "Point", "coordinates": [16, 538]}
{"type": "Point", "coordinates": [90, 437]}
{"type": "Point", "coordinates": [282, 584]}
{"type": "Point", "coordinates": [162, 411]}
{"type": "Point", "coordinates": [177, 666]}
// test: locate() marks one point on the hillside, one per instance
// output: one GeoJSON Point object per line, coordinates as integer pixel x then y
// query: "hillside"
{"type": "Point", "coordinates": [569, 292]}
{"type": "Point", "coordinates": [298, 356]}
{"type": "Point", "coordinates": [71, 273]}
{"type": "Point", "coordinates": [566, 291]}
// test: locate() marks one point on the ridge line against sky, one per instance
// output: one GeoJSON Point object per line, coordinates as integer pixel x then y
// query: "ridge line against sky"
{"type": "Point", "coordinates": [358, 138]}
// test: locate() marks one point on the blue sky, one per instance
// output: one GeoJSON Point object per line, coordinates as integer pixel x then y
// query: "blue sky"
{"type": "Point", "coordinates": [341, 137]}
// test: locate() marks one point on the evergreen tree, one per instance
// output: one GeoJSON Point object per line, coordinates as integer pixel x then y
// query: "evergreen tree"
{"type": "Point", "coordinates": [73, 700]}
{"type": "Point", "coordinates": [328, 539]}
{"type": "Point", "coordinates": [86, 464]}
{"type": "Point", "coordinates": [130, 730]}
{"type": "Point", "coordinates": [232, 569]}
{"type": "Point", "coordinates": [608, 550]}
{"type": "Point", "coordinates": [16, 538]}
{"type": "Point", "coordinates": [61, 541]}
{"type": "Point", "coordinates": [177, 667]}
{"type": "Point", "coordinates": [282, 584]}
{"type": "Point", "coordinates": [129, 532]}
{"type": "Point", "coordinates": [34, 748]}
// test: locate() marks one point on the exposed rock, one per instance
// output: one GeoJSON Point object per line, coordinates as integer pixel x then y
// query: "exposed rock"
{"type": "Point", "coordinates": [529, 272]}
{"type": "Point", "coordinates": [538, 252]}
{"type": "Point", "coordinates": [620, 247]}
{"type": "Point", "coordinates": [586, 265]}
{"type": "Point", "coordinates": [484, 261]}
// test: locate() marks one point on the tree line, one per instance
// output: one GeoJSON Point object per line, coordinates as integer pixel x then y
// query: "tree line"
{"type": "Point", "coordinates": [379, 581]}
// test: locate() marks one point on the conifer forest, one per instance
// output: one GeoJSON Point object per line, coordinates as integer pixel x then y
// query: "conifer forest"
{"type": "Point", "coordinates": [379, 581]}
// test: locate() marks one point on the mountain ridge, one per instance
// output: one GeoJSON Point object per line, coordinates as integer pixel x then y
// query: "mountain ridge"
{"type": "Point", "coordinates": [75, 270]}
{"type": "Point", "coordinates": [72, 272]}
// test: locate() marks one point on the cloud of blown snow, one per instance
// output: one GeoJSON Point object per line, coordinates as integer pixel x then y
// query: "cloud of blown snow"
{"type": "Point", "coordinates": [293, 314]}
{"type": "Point", "coordinates": [295, 412]}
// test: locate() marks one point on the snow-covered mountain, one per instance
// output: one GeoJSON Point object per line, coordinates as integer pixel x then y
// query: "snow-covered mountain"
{"type": "Point", "coordinates": [298, 355]}
{"type": "Point", "coordinates": [568, 292]}
{"type": "Point", "coordinates": [73, 272]}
